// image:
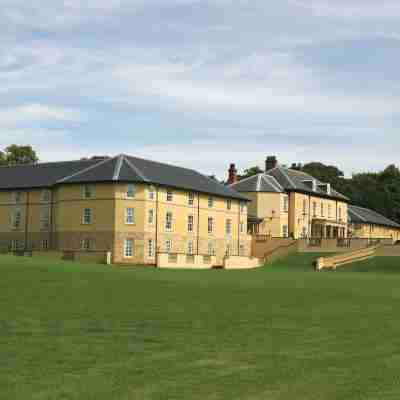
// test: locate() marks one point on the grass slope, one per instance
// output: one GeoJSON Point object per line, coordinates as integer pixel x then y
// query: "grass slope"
{"type": "Point", "coordinates": [69, 331]}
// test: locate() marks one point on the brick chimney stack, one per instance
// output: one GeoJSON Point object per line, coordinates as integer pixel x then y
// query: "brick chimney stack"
{"type": "Point", "coordinates": [232, 174]}
{"type": "Point", "coordinates": [270, 163]}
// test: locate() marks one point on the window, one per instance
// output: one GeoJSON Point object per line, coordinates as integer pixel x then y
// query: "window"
{"type": "Point", "coordinates": [16, 197]}
{"type": "Point", "coordinates": [228, 249]}
{"type": "Point", "coordinates": [128, 248]}
{"type": "Point", "coordinates": [210, 224]}
{"type": "Point", "coordinates": [229, 204]}
{"type": "Point", "coordinates": [130, 191]}
{"type": "Point", "coordinates": [87, 244]}
{"type": "Point", "coordinates": [329, 210]}
{"type": "Point", "coordinates": [190, 223]}
{"type": "Point", "coordinates": [15, 244]}
{"type": "Point", "coordinates": [87, 192]}
{"type": "Point", "coordinates": [228, 227]}
{"type": "Point", "coordinates": [340, 213]}
{"type": "Point", "coordinates": [242, 227]}
{"type": "Point", "coordinates": [130, 216]}
{"type": "Point", "coordinates": [45, 196]}
{"type": "Point", "coordinates": [45, 218]}
{"type": "Point", "coordinates": [16, 219]}
{"type": "Point", "coordinates": [304, 232]}
{"type": "Point", "coordinates": [285, 231]}
{"type": "Point", "coordinates": [170, 195]}
{"type": "Point", "coordinates": [242, 206]}
{"type": "Point", "coordinates": [152, 193]}
{"type": "Point", "coordinates": [190, 247]}
{"type": "Point", "coordinates": [304, 206]}
{"type": "Point", "coordinates": [322, 210]}
{"type": "Point", "coordinates": [314, 209]}
{"type": "Point", "coordinates": [168, 222]}
{"type": "Point", "coordinates": [210, 202]}
{"type": "Point", "coordinates": [151, 216]}
{"type": "Point", "coordinates": [45, 244]}
{"type": "Point", "coordinates": [87, 216]}
{"type": "Point", "coordinates": [168, 246]}
{"type": "Point", "coordinates": [242, 250]}
{"type": "Point", "coordinates": [150, 247]}
{"type": "Point", "coordinates": [191, 198]}
{"type": "Point", "coordinates": [211, 249]}
{"type": "Point", "coordinates": [285, 204]}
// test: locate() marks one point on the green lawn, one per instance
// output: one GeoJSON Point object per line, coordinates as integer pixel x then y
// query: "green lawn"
{"type": "Point", "coordinates": [69, 331]}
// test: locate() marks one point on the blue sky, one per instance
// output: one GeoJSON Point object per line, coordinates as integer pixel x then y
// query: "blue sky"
{"type": "Point", "coordinates": [203, 83]}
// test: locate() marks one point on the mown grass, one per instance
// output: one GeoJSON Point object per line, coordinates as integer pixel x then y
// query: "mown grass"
{"type": "Point", "coordinates": [70, 331]}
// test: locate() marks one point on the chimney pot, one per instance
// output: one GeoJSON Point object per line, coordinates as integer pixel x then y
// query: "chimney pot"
{"type": "Point", "coordinates": [270, 163]}
{"type": "Point", "coordinates": [232, 174]}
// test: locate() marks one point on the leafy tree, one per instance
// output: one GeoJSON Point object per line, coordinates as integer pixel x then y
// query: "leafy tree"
{"type": "Point", "coordinates": [250, 172]}
{"type": "Point", "coordinates": [3, 160]}
{"type": "Point", "coordinates": [15, 154]}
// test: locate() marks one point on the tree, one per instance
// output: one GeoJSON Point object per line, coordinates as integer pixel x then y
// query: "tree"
{"type": "Point", "coordinates": [3, 160]}
{"type": "Point", "coordinates": [250, 172]}
{"type": "Point", "coordinates": [15, 154]}
{"type": "Point", "coordinates": [324, 173]}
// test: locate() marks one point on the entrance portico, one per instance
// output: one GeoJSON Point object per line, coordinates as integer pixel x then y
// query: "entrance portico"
{"type": "Point", "coordinates": [322, 228]}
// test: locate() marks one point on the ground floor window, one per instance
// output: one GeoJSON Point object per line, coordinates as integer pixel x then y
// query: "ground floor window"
{"type": "Point", "coordinates": [242, 250]}
{"type": "Point", "coordinates": [87, 244]}
{"type": "Point", "coordinates": [128, 248]}
{"type": "Point", "coordinates": [168, 246]}
{"type": "Point", "coordinates": [151, 247]}
{"type": "Point", "coordinates": [190, 247]}
{"type": "Point", "coordinates": [15, 244]}
{"type": "Point", "coordinates": [228, 250]}
{"type": "Point", "coordinates": [211, 249]}
{"type": "Point", "coordinates": [45, 244]}
{"type": "Point", "coordinates": [285, 231]}
{"type": "Point", "coordinates": [304, 232]}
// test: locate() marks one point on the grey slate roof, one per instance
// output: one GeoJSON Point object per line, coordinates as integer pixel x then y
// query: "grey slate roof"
{"type": "Point", "coordinates": [121, 168]}
{"type": "Point", "coordinates": [367, 216]}
{"type": "Point", "coordinates": [281, 179]}
{"type": "Point", "coordinates": [258, 183]}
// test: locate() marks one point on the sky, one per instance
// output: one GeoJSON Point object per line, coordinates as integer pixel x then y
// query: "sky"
{"type": "Point", "coordinates": [203, 83]}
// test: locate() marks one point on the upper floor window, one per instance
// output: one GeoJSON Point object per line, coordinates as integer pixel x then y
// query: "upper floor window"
{"type": "Point", "coordinates": [340, 213]}
{"type": "Point", "coordinates": [229, 204]}
{"type": "Point", "coordinates": [322, 210]}
{"type": "Point", "coordinates": [152, 193]}
{"type": "Point", "coordinates": [314, 209]}
{"type": "Point", "coordinates": [45, 218]}
{"type": "Point", "coordinates": [170, 195]}
{"type": "Point", "coordinates": [285, 231]}
{"type": "Point", "coordinates": [285, 204]}
{"type": "Point", "coordinates": [87, 216]}
{"type": "Point", "coordinates": [242, 227]}
{"type": "Point", "coordinates": [210, 202]}
{"type": "Point", "coordinates": [130, 191]}
{"type": "Point", "coordinates": [190, 223]}
{"type": "Point", "coordinates": [150, 247]}
{"type": "Point", "coordinates": [87, 191]}
{"type": "Point", "coordinates": [16, 219]}
{"type": "Point", "coordinates": [191, 198]}
{"type": "Point", "coordinates": [329, 210]}
{"type": "Point", "coordinates": [210, 224]}
{"type": "Point", "coordinates": [242, 206]}
{"type": "Point", "coordinates": [151, 216]}
{"type": "Point", "coordinates": [130, 216]}
{"type": "Point", "coordinates": [228, 227]}
{"type": "Point", "coordinates": [304, 206]}
{"type": "Point", "coordinates": [16, 197]}
{"type": "Point", "coordinates": [168, 222]}
{"type": "Point", "coordinates": [190, 247]}
{"type": "Point", "coordinates": [45, 196]}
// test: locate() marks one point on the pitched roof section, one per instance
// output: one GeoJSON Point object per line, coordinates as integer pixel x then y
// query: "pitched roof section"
{"type": "Point", "coordinates": [367, 216]}
{"type": "Point", "coordinates": [258, 183]}
{"type": "Point", "coordinates": [121, 168]}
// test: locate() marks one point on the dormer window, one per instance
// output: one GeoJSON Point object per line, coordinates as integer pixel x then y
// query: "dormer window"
{"type": "Point", "coordinates": [311, 184]}
{"type": "Point", "coordinates": [325, 187]}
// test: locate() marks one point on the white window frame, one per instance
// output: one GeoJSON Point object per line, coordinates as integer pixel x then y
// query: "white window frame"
{"type": "Point", "coordinates": [285, 231]}
{"type": "Point", "coordinates": [87, 217]}
{"type": "Point", "coordinates": [228, 226]}
{"type": "Point", "coordinates": [329, 210]}
{"type": "Point", "coordinates": [150, 218]}
{"type": "Point", "coordinates": [241, 227]}
{"type": "Point", "coordinates": [170, 195]}
{"type": "Point", "coordinates": [16, 197]}
{"type": "Point", "coordinates": [190, 247]}
{"type": "Point", "coordinates": [15, 244]}
{"type": "Point", "coordinates": [16, 216]}
{"type": "Point", "coordinates": [229, 204]}
{"type": "Point", "coordinates": [169, 221]}
{"type": "Point", "coordinates": [86, 244]}
{"type": "Point", "coordinates": [130, 191]}
{"type": "Point", "coordinates": [191, 197]}
{"type": "Point", "coordinates": [210, 224]}
{"type": "Point", "coordinates": [210, 201]}
{"type": "Point", "coordinates": [150, 247]}
{"type": "Point", "coordinates": [211, 249]}
{"type": "Point", "coordinates": [168, 246]}
{"type": "Point", "coordinates": [129, 248]}
{"type": "Point", "coordinates": [45, 196]}
{"type": "Point", "coordinates": [45, 218]}
{"type": "Point", "coordinates": [190, 223]}
{"type": "Point", "coordinates": [88, 191]}
{"type": "Point", "coordinates": [130, 216]}
{"type": "Point", "coordinates": [45, 244]}
{"type": "Point", "coordinates": [152, 193]}
{"type": "Point", "coordinates": [285, 204]}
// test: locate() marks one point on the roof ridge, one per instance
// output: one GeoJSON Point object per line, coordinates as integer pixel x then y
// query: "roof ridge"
{"type": "Point", "coordinates": [134, 168]}
{"type": "Point", "coordinates": [245, 179]}
{"type": "Point", "coordinates": [117, 169]}
{"type": "Point", "coordinates": [277, 186]}
{"type": "Point", "coordinates": [286, 175]}
{"type": "Point", "coordinates": [259, 182]}
{"type": "Point", "coordinates": [358, 215]}
{"type": "Point", "coordinates": [40, 164]}
{"type": "Point", "coordinates": [101, 162]}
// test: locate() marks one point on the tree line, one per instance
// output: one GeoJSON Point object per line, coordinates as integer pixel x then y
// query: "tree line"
{"type": "Point", "coordinates": [14, 155]}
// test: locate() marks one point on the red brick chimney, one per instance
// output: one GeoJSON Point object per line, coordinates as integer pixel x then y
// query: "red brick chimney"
{"type": "Point", "coordinates": [232, 174]}
{"type": "Point", "coordinates": [270, 163]}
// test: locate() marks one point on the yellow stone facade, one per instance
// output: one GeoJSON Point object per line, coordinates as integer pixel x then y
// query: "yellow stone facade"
{"type": "Point", "coordinates": [106, 217]}
{"type": "Point", "coordinates": [372, 231]}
